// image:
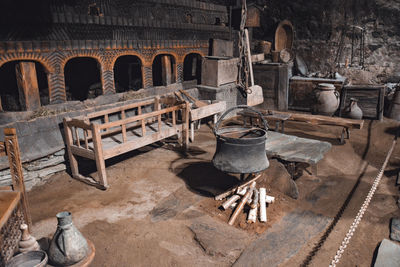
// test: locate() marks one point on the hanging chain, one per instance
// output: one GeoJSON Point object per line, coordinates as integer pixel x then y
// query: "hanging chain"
{"type": "Point", "coordinates": [243, 74]}
{"type": "Point", "coordinates": [364, 207]}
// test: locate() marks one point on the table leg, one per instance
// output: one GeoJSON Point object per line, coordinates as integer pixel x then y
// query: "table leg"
{"type": "Point", "coordinates": [314, 169]}
{"type": "Point", "coordinates": [277, 126]}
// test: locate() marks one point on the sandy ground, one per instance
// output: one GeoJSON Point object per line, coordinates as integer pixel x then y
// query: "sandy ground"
{"type": "Point", "coordinates": [157, 193]}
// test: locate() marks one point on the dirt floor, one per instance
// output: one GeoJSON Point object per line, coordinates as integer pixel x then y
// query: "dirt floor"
{"type": "Point", "coordinates": [160, 211]}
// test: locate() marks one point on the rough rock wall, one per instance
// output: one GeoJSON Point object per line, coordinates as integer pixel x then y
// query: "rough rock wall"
{"type": "Point", "coordinates": [323, 33]}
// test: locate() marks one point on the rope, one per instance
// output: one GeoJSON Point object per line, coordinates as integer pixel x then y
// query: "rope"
{"type": "Point", "coordinates": [362, 210]}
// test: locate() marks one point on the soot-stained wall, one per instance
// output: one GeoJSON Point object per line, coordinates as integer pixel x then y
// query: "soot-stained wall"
{"type": "Point", "coordinates": [323, 33]}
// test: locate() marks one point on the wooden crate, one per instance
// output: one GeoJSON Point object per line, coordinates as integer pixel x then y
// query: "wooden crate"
{"type": "Point", "coordinates": [301, 91]}
{"type": "Point", "coordinates": [370, 99]}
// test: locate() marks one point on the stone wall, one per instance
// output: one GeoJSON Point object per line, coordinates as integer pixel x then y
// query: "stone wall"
{"type": "Point", "coordinates": [323, 28]}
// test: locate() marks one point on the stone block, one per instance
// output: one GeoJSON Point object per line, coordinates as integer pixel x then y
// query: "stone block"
{"type": "Point", "coordinates": [395, 229]}
{"type": "Point", "coordinates": [218, 71]}
{"type": "Point", "coordinates": [388, 254]}
{"type": "Point", "coordinates": [44, 163]}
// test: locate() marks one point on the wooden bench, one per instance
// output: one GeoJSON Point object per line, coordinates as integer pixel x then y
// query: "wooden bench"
{"type": "Point", "coordinates": [346, 124]}
{"type": "Point", "coordinates": [105, 134]}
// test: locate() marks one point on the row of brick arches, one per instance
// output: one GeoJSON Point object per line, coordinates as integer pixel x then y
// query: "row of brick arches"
{"type": "Point", "coordinates": [23, 79]}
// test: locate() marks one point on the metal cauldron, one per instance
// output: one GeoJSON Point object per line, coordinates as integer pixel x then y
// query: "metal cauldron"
{"type": "Point", "coordinates": [240, 149]}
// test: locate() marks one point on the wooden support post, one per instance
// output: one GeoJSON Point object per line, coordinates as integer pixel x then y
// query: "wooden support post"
{"type": "Point", "coordinates": [98, 149]}
{"type": "Point", "coordinates": [166, 69]}
{"type": "Point", "coordinates": [27, 85]}
{"type": "Point", "coordinates": [157, 107]}
{"type": "Point", "coordinates": [73, 163]}
{"type": "Point", "coordinates": [143, 121]}
{"type": "Point", "coordinates": [12, 148]}
{"type": "Point", "coordinates": [185, 126]}
{"type": "Point", "coordinates": [192, 131]}
{"type": "Point", "coordinates": [123, 126]}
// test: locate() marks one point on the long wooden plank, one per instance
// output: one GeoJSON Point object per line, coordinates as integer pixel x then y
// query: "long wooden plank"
{"type": "Point", "coordinates": [78, 123]}
{"type": "Point", "coordinates": [317, 119]}
{"type": "Point", "coordinates": [199, 113]}
{"type": "Point", "coordinates": [86, 153]}
{"type": "Point", "coordinates": [140, 117]}
{"type": "Point", "coordinates": [118, 109]}
{"type": "Point", "coordinates": [138, 143]}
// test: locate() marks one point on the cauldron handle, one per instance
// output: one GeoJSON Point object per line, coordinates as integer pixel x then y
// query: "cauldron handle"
{"type": "Point", "coordinates": [239, 107]}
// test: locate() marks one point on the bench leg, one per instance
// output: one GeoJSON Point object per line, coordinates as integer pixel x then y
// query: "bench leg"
{"type": "Point", "coordinates": [98, 152]}
{"type": "Point", "coordinates": [191, 131]}
{"type": "Point", "coordinates": [282, 126]}
{"type": "Point", "coordinates": [342, 136]}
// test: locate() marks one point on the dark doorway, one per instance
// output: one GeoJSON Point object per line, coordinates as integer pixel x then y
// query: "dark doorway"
{"type": "Point", "coordinates": [163, 70]}
{"type": "Point", "coordinates": [128, 74]}
{"type": "Point", "coordinates": [82, 78]}
{"type": "Point", "coordinates": [12, 98]}
{"type": "Point", "coordinates": [192, 67]}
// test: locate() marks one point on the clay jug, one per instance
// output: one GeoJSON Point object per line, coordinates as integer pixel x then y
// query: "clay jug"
{"type": "Point", "coordinates": [27, 242]}
{"type": "Point", "coordinates": [353, 110]}
{"type": "Point", "coordinates": [326, 99]}
{"type": "Point", "coordinates": [68, 245]}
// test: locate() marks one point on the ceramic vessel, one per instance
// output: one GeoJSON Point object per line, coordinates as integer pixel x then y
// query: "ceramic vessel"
{"type": "Point", "coordinates": [353, 110]}
{"type": "Point", "coordinates": [326, 99]}
{"type": "Point", "coordinates": [68, 245]}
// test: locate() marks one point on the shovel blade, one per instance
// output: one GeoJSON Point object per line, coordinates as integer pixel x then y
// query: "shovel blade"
{"type": "Point", "coordinates": [256, 97]}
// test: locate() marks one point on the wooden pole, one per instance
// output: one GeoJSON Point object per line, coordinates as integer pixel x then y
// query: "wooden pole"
{"type": "Point", "coordinates": [27, 85]}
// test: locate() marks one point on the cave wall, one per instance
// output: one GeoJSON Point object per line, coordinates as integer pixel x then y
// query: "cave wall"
{"type": "Point", "coordinates": [322, 29]}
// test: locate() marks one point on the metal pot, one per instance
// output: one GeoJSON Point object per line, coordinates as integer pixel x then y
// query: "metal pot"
{"type": "Point", "coordinates": [240, 149]}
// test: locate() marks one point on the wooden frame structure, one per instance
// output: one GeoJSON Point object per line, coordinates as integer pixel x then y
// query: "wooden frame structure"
{"type": "Point", "coordinates": [112, 132]}
{"type": "Point", "coordinates": [14, 208]}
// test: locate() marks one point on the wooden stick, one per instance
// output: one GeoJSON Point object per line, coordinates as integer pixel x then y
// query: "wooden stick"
{"type": "Point", "coordinates": [233, 189]}
{"type": "Point", "coordinates": [230, 201]}
{"type": "Point", "coordinates": [197, 102]}
{"type": "Point", "coordinates": [239, 208]}
{"type": "Point", "coordinates": [241, 204]}
{"type": "Point", "coordinates": [263, 208]}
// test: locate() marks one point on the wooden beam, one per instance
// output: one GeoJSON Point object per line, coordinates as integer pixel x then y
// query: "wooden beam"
{"type": "Point", "coordinates": [315, 119]}
{"type": "Point", "coordinates": [166, 69]}
{"type": "Point", "coordinates": [28, 85]}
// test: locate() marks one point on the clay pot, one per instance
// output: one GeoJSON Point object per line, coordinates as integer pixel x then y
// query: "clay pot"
{"type": "Point", "coordinates": [68, 245]}
{"type": "Point", "coordinates": [275, 56]}
{"type": "Point", "coordinates": [353, 110]}
{"type": "Point", "coordinates": [326, 99]}
{"type": "Point", "coordinates": [264, 47]}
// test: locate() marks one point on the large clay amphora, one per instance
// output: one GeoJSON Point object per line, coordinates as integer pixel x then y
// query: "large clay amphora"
{"type": "Point", "coordinates": [326, 99]}
{"type": "Point", "coordinates": [68, 245]}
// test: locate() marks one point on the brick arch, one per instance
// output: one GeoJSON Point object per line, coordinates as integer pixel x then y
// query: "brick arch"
{"type": "Point", "coordinates": [29, 57]}
{"type": "Point", "coordinates": [201, 53]}
{"type": "Point", "coordinates": [127, 53]}
{"type": "Point", "coordinates": [166, 52]}
{"type": "Point", "coordinates": [90, 54]}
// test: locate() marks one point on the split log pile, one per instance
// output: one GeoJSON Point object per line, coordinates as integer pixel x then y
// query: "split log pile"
{"type": "Point", "coordinates": [256, 199]}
